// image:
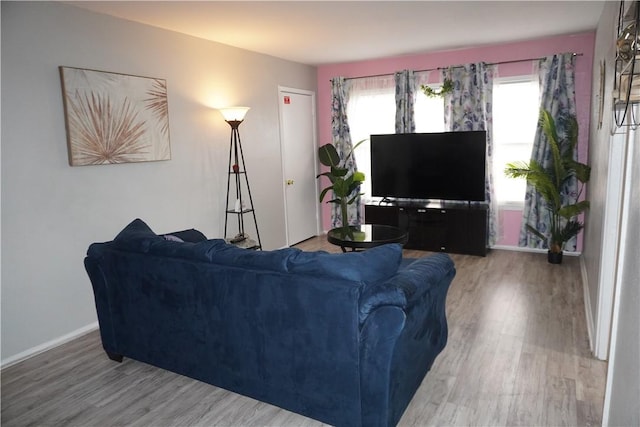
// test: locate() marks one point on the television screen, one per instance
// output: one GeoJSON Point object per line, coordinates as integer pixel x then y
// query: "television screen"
{"type": "Point", "coordinates": [445, 166]}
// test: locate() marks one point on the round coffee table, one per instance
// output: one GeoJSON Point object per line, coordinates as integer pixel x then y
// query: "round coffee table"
{"type": "Point", "coordinates": [366, 236]}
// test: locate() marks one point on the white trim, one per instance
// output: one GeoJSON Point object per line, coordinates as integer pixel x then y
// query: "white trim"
{"type": "Point", "coordinates": [587, 305]}
{"type": "Point", "coordinates": [510, 205]}
{"type": "Point", "coordinates": [524, 78]}
{"type": "Point", "coordinates": [610, 243]}
{"type": "Point", "coordinates": [620, 271]}
{"type": "Point", "coordinates": [33, 351]}
{"type": "Point", "coordinates": [532, 250]}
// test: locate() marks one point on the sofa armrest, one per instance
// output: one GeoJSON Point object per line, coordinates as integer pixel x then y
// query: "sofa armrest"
{"type": "Point", "coordinates": [378, 340]}
{"type": "Point", "coordinates": [408, 285]}
{"type": "Point", "coordinates": [102, 302]}
{"type": "Point", "coordinates": [425, 274]}
{"type": "Point", "coordinates": [403, 329]}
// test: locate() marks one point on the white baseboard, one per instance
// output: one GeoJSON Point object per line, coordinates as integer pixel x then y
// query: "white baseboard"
{"type": "Point", "coordinates": [532, 250]}
{"type": "Point", "coordinates": [591, 328]}
{"type": "Point", "coordinates": [12, 360]}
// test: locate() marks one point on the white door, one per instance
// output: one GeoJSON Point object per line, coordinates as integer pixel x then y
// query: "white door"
{"type": "Point", "coordinates": [298, 144]}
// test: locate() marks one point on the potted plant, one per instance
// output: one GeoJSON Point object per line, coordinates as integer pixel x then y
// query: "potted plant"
{"type": "Point", "coordinates": [342, 183]}
{"type": "Point", "coordinates": [549, 181]}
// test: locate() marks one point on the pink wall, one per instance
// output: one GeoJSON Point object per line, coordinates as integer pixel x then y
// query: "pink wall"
{"type": "Point", "coordinates": [582, 43]}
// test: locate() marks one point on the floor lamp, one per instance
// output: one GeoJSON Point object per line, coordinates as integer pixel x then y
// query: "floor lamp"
{"type": "Point", "coordinates": [234, 116]}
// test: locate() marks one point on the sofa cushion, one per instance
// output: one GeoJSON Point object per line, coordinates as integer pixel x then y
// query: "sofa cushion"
{"type": "Point", "coordinates": [136, 237]}
{"type": "Point", "coordinates": [200, 251]}
{"type": "Point", "coordinates": [228, 254]}
{"type": "Point", "coordinates": [375, 264]}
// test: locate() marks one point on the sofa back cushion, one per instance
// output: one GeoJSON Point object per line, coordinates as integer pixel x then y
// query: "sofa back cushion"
{"type": "Point", "coordinates": [374, 265]}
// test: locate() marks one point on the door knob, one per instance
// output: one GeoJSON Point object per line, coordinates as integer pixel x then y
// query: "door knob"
{"type": "Point", "coordinates": [289, 182]}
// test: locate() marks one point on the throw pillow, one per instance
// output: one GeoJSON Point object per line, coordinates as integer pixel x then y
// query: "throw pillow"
{"type": "Point", "coordinates": [136, 237]}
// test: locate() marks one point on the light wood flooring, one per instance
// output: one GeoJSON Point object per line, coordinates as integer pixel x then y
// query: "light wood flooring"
{"type": "Point", "coordinates": [517, 355]}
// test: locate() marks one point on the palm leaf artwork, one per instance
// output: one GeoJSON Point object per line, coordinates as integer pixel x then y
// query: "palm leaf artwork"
{"type": "Point", "coordinates": [157, 103]}
{"type": "Point", "coordinates": [550, 181]}
{"type": "Point", "coordinates": [114, 118]}
{"type": "Point", "coordinates": [105, 133]}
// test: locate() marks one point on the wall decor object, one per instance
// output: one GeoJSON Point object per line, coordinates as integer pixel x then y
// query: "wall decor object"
{"type": "Point", "coordinates": [114, 118]}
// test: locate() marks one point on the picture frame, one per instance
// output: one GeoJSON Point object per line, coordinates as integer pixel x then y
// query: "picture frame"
{"type": "Point", "coordinates": [114, 118]}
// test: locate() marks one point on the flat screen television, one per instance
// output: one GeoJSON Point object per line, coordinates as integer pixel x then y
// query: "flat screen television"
{"type": "Point", "coordinates": [429, 166]}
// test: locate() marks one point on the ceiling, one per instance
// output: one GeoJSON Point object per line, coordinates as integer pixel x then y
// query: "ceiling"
{"type": "Point", "coordinates": [322, 32]}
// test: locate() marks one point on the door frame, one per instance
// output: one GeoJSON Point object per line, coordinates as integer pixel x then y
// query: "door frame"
{"type": "Point", "coordinates": [609, 257]}
{"type": "Point", "coordinates": [282, 90]}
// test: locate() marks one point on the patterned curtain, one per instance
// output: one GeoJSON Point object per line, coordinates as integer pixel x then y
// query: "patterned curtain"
{"type": "Point", "coordinates": [557, 94]}
{"type": "Point", "coordinates": [405, 95]}
{"type": "Point", "coordinates": [467, 108]}
{"type": "Point", "coordinates": [341, 139]}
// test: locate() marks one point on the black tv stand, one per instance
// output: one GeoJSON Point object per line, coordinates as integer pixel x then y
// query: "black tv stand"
{"type": "Point", "coordinates": [438, 226]}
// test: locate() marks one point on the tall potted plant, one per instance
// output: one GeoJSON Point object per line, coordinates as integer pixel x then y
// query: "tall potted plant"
{"type": "Point", "coordinates": [550, 180]}
{"type": "Point", "coordinates": [342, 183]}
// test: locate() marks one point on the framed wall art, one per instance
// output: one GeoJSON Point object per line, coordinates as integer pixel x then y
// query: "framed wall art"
{"type": "Point", "coordinates": [114, 118]}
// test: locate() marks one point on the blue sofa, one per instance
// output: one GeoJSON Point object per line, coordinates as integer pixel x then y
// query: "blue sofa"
{"type": "Point", "coordinates": [342, 338]}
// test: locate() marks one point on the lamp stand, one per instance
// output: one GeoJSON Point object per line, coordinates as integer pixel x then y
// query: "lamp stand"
{"type": "Point", "coordinates": [236, 170]}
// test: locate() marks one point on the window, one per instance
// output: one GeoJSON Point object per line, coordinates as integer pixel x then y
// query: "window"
{"type": "Point", "coordinates": [429, 112]}
{"type": "Point", "coordinates": [371, 110]}
{"type": "Point", "coordinates": [515, 116]}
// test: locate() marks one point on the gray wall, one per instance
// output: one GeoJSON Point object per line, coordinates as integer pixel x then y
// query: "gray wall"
{"type": "Point", "coordinates": [51, 212]}
{"type": "Point", "coordinates": [599, 145]}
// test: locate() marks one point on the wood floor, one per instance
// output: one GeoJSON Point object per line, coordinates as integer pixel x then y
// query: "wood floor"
{"type": "Point", "coordinates": [517, 355]}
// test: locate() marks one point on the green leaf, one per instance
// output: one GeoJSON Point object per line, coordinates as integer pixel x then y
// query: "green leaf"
{"type": "Point", "coordinates": [532, 230]}
{"type": "Point", "coordinates": [324, 192]}
{"type": "Point", "coordinates": [582, 171]}
{"type": "Point", "coordinates": [358, 176]}
{"type": "Point", "coordinates": [576, 209]}
{"type": "Point", "coordinates": [572, 136]}
{"type": "Point", "coordinates": [341, 188]}
{"type": "Point", "coordinates": [357, 145]}
{"type": "Point", "coordinates": [339, 171]}
{"type": "Point", "coordinates": [328, 155]}
{"type": "Point", "coordinates": [328, 175]}
{"type": "Point", "coordinates": [517, 169]}
{"type": "Point", "coordinates": [353, 199]}
{"type": "Point", "coordinates": [571, 229]}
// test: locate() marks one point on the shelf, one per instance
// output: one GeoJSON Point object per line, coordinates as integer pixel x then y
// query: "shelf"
{"type": "Point", "coordinates": [242, 212]}
{"type": "Point", "coordinates": [245, 244]}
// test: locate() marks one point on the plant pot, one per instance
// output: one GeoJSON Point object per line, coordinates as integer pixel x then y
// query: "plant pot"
{"type": "Point", "coordinates": [554, 257]}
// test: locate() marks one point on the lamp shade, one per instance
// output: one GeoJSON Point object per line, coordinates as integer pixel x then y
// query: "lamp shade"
{"type": "Point", "coordinates": [234, 114]}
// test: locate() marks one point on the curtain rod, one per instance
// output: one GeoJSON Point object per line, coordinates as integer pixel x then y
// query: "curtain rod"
{"type": "Point", "coordinates": [457, 66]}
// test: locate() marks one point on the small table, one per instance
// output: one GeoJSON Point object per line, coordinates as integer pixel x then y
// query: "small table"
{"type": "Point", "coordinates": [366, 236]}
